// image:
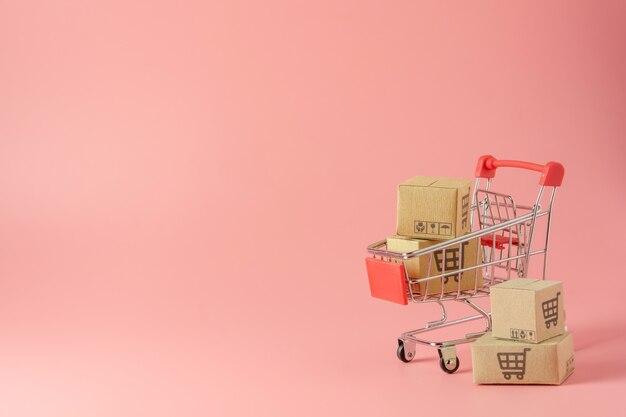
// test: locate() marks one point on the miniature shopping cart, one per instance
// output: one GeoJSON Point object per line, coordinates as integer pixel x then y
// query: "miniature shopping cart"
{"type": "Point", "coordinates": [506, 233]}
{"type": "Point", "coordinates": [551, 310]}
{"type": "Point", "coordinates": [513, 363]}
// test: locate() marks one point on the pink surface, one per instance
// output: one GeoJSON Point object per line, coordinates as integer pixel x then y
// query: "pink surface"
{"type": "Point", "coordinates": [187, 190]}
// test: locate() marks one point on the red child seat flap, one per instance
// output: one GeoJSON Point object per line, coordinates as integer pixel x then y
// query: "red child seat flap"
{"type": "Point", "coordinates": [500, 241]}
{"type": "Point", "coordinates": [387, 280]}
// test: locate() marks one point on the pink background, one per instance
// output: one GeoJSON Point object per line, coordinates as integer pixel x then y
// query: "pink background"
{"type": "Point", "coordinates": [187, 190]}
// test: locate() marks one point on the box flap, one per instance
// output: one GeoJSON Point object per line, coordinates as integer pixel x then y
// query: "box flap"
{"type": "Point", "coordinates": [557, 339]}
{"type": "Point", "coordinates": [410, 239]}
{"type": "Point", "coordinates": [438, 182]}
{"type": "Point", "coordinates": [420, 181]}
{"type": "Point", "coordinates": [516, 283]}
{"type": "Point", "coordinates": [529, 284]}
{"type": "Point", "coordinates": [541, 284]}
{"type": "Point", "coordinates": [488, 340]}
{"type": "Point", "coordinates": [452, 183]}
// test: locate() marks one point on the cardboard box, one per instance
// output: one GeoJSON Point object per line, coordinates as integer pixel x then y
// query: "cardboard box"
{"type": "Point", "coordinates": [433, 208]}
{"type": "Point", "coordinates": [527, 309]}
{"type": "Point", "coordinates": [418, 267]}
{"type": "Point", "coordinates": [497, 361]}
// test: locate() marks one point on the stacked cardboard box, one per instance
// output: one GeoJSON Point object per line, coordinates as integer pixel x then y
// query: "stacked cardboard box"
{"type": "Point", "coordinates": [432, 210]}
{"type": "Point", "coordinates": [528, 343]}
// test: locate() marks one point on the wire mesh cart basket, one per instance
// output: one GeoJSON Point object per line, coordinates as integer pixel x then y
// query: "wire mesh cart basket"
{"type": "Point", "coordinates": [506, 234]}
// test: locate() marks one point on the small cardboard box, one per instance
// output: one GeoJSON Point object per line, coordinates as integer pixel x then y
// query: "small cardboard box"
{"type": "Point", "coordinates": [497, 361]}
{"type": "Point", "coordinates": [433, 208]}
{"type": "Point", "coordinates": [418, 267]}
{"type": "Point", "coordinates": [527, 309]}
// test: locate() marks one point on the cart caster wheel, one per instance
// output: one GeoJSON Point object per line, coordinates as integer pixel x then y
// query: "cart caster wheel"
{"type": "Point", "coordinates": [449, 366]}
{"type": "Point", "coordinates": [404, 355]}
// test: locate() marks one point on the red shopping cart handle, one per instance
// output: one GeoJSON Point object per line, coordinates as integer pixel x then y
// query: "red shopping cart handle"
{"type": "Point", "coordinates": [500, 241]}
{"type": "Point", "coordinates": [551, 173]}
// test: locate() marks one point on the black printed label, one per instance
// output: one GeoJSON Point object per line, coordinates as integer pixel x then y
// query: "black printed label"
{"type": "Point", "coordinates": [522, 334]}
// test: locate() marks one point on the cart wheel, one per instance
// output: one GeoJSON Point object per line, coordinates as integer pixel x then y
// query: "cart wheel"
{"type": "Point", "coordinates": [449, 366]}
{"type": "Point", "coordinates": [520, 376]}
{"type": "Point", "coordinates": [547, 324]}
{"type": "Point", "coordinates": [403, 355]}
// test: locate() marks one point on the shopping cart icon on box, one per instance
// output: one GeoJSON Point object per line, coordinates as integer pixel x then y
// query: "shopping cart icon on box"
{"type": "Point", "coordinates": [453, 261]}
{"type": "Point", "coordinates": [551, 311]}
{"type": "Point", "coordinates": [513, 363]}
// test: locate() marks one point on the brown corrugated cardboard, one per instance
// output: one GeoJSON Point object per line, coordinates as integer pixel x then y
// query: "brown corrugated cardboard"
{"type": "Point", "coordinates": [527, 309]}
{"type": "Point", "coordinates": [418, 267]}
{"type": "Point", "coordinates": [433, 208]}
{"type": "Point", "coordinates": [498, 361]}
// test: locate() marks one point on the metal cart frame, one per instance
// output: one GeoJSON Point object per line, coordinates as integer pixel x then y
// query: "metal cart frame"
{"type": "Point", "coordinates": [506, 234]}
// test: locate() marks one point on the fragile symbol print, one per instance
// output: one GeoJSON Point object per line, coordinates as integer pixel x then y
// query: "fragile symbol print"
{"type": "Point", "coordinates": [522, 334]}
{"type": "Point", "coordinates": [433, 228]}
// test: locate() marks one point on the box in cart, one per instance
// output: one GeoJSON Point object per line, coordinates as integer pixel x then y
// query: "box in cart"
{"type": "Point", "coordinates": [459, 256]}
{"type": "Point", "coordinates": [433, 208]}
{"type": "Point", "coordinates": [527, 309]}
{"type": "Point", "coordinates": [498, 361]}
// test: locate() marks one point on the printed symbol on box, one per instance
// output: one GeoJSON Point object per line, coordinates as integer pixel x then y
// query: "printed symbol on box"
{"type": "Point", "coordinates": [433, 228]}
{"type": "Point", "coordinates": [551, 311]}
{"type": "Point", "coordinates": [445, 228]}
{"type": "Point", "coordinates": [420, 226]}
{"type": "Point", "coordinates": [464, 210]}
{"type": "Point", "coordinates": [453, 262]}
{"type": "Point", "coordinates": [522, 334]}
{"type": "Point", "coordinates": [513, 363]}
{"type": "Point", "coordinates": [569, 365]}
